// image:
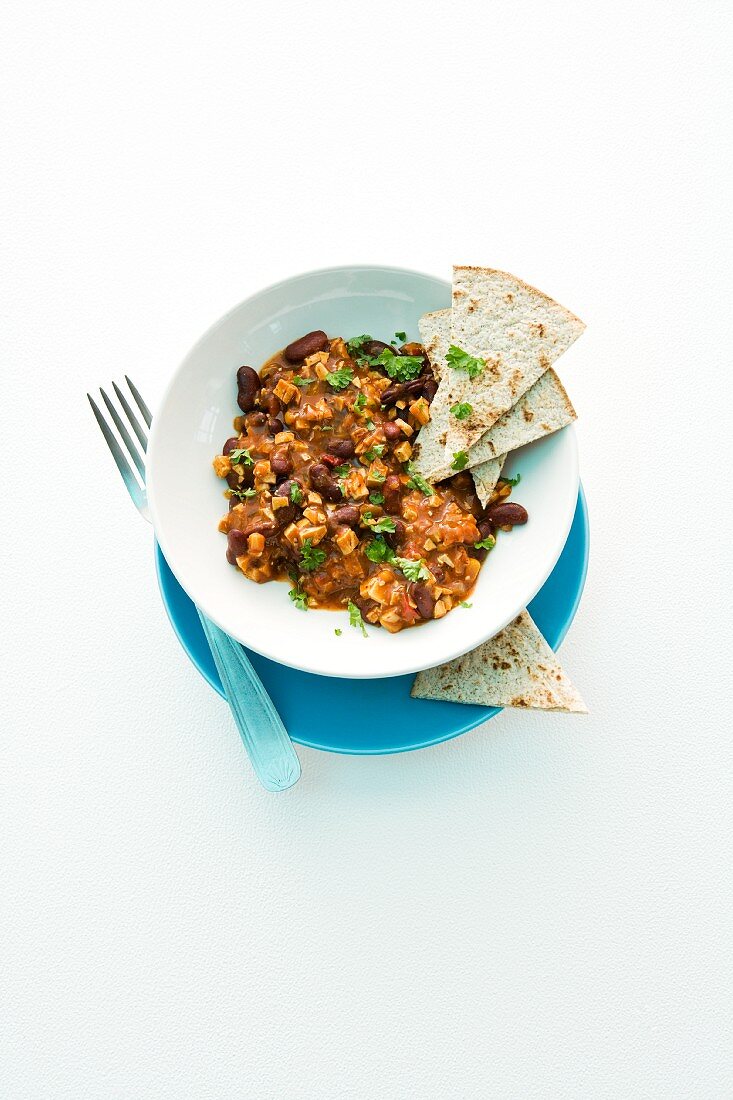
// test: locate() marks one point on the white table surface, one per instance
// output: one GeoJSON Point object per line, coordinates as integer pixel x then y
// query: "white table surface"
{"type": "Point", "coordinates": [540, 908]}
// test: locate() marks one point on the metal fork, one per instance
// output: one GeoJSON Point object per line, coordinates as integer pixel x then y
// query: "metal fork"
{"type": "Point", "coordinates": [265, 738]}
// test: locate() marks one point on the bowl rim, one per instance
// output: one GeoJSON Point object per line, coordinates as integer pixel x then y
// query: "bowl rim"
{"type": "Point", "coordinates": [405, 668]}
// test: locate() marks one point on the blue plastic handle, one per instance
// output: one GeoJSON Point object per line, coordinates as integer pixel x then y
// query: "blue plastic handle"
{"type": "Point", "coordinates": [265, 738]}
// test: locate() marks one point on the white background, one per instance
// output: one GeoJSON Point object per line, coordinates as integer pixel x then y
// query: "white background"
{"type": "Point", "coordinates": [538, 909]}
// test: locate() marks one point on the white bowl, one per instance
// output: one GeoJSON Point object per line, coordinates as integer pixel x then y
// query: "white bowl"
{"type": "Point", "coordinates": [187, 502]}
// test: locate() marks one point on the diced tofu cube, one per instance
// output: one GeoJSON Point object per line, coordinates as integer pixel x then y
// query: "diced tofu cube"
{"type": "Point", "coordinates": [222, 465]}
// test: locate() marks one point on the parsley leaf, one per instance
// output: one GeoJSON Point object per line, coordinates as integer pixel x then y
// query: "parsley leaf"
{"type": "Point", "coordinates": [359, 404]}
{"type": "Point", "coordinates": [401, 336]}
{"type": "Point", "coordinates": [370, 425]}
{"type": "Point", "coordinates": [460, 458]}
{"type": "Point", "coordinates": [340, 379]}
{"type": "Point", "coordinates": [355, 618]}
{"type": "Point", "coordinates": [310, 556]}
{"type": "Point", "coordinates": [464, 603]}
{"type": "Point", "coordinates": [376, 498]}
{"type": "Point", "coordinates": [338, 632]}
{"type": "Point", "coordinates": [354, 345]}
{"type": "Point", "coordinates": [461, 410]}
{"type": "Point", "coordinates": [240, 456]}
{"type": "Point", "coordinates": [400, 368]}
{"type": "Point", "coordinates": [299, 598]}
{"type": "Point", "coordinates": [512, 480]}
{"type": "Point", "coordinates": [242, 494]}
{"type": "Point", "coordinates": [374, 452]}
{"type": "Point", "coordinates": [417, 481]}
{"type": "Point", "coordinates": [298, 380]}
{"type": "Point", "coordinates": [378, 526]}
{"type": "Point", "coordinates": [378, 550]}
{"type": "Point", "coordinates": [486, 544]}
{"type": "Point", "coordinates": [342, 470]}
{"type": "Point", "coordinates": [296, 495]}
{"type": "Point", "coordinates": [413, 570]}
{"type": "Point", "coordinates": [461, 360]}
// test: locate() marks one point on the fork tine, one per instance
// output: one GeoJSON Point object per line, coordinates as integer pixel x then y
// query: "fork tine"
{"type": "Point", "coordinates": [147, 415]}
{"type": "Point", "coordinates": [123, 465]}
{"type": "Point", "coordinates": [136, 426]}
{"type": "Point", "coordinates": [126, 438]}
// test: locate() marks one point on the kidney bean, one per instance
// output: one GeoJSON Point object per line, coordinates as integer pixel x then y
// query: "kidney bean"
{"type": "Point", "coordinates": [256, 419]}
{"type": "Point", "coordinates": [342, 448]}
{"type": "Point", "coordinates": [394, 538]}
{"type": "Point", "coordinates": [375, 347]}
{"type": "Point", "coordinates": [230, 557]}
{"type": "Point", "coordinates": [323, 483]}
{"type": "Point", "coordinates": [230, 445]}
{"type": "Point", "coordinates": [348, 516]}
{"type": "Point", "coordinates": [402, 390]}
{"type": "Point", "coordinates": [485, 527]}
{"type": "Point", "coordinates": [248, 383]}
{"type": "Point", "coordinates": [271, 404]}
{"type": "Point", "coordinates": [392, 490]}
{"type": "Point", "coordinates": [280, 462]}
{"type": "Point", "coordinates": [506, 512]}
{"type": "Point", "coordinates": [237, 540]}
{"type": "Point", "coordinates": [306, 345]}
{"type": "Point", "coordinates": [424, 602]}
{"type": "Point", "coordinates": [283, 489]}
{"type": "Point", "coordinates": [392, 433]}
{"type": "Point", "coordinates": [247, 479]}
{"type": "Point", "coordinates": [430, 388]}
{"type": "Point", "coordinates": [274, 425]}
{"type": "Point", "coordinates": [364, 605]}
{"type": "Point", "coordinates": [330, 460]}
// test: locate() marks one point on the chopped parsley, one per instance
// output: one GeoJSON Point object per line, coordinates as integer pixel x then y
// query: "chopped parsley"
{"type": "Point", "coordinates": [298, 380]}
{"type": "Point", "coordinates": [340, 379]}
{"type": "Point", "coordinates": [374, 452]}
{"type": "Point", "coordinates": [512, 480]}
{"type": "Point", "coordinates": [338, 632]}
{"type": "Point", "coordinates": [417, 481]}
{"type": "Point", "coordinates": [370, 425]}
{"type": "Point", "coordinates": [342, 470]}
{"type": "Point", "coordinates": [240, 456]}
{"type": "Point", "coordinates": [486, 544]}
{"type": "Point", "coordinates": [401, 336]}
{"type": "Point", "coordinates": [461, 410]}
{"type": "Point", "coordinates": [299, 598]}
{"type": "Point", "coordinates": [355, 345]}
{"type": "Point", "coordinates": [376, 475]}
{"type": "Point", "coordinates": [377, 550]}
{"type": "Point", "coordinates": [460, 458]}
{"type": "Point", "coordinates": [376, 498]}
{"type": "Point", "coordinates": [310, 556]}
{"type": "Point", "coordinates": [296, 496]}
{"type": "Point", "coordinates": [243, 494]}
{"type": "Point", "coordinates": [359, 404]}
{"type": "Point", "coordinates": [400, 368]}
{"type": "Point", "coordinates": [461, 360]}
{"type": "Point", "coordinates": [379, 526]}
{"type": "Point", "coordinates": [464, 603]}
{"type": "Point", "coordinates": [413, 570]}
{"type": "Point", "coordinates": [355, 618]}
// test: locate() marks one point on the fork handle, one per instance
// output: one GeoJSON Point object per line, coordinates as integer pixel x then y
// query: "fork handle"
{"type": "Point", "coordinates": [265, 738]}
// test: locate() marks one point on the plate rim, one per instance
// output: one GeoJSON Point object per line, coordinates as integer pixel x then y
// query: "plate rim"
{"type": "Point", "coordinates": [471, 723]}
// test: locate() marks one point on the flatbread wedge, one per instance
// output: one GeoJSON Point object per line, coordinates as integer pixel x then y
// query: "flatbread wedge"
{"type": "Point", "coordinates": [485, 477]}
{"type": "Point", "coordinates": [542, 410]}
{"type": "Point", "coordinates": [517, 668]}
{"type": "Point", "coordinates": [517, 330]}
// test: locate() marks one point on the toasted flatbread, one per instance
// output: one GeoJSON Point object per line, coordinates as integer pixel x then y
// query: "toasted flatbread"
{"type": "Point", "coordinates": [485, 477]}
{"type": "Point", "coordinates": [517, 668]}
{"type": "Point", "coordinates": [517, 330]}
{"type": "Point", "coordinates": [543, 409]}
{"type": "Point", "coordinates": [429, 449]}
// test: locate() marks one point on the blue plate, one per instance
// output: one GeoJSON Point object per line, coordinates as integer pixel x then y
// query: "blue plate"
{"type": "Point", "coordinates": [338, 715]}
